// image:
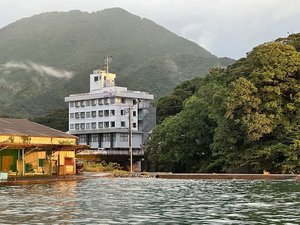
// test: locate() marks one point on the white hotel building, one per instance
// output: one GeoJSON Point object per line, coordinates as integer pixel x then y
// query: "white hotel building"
{"type": "Point", "coordinates": [100, 118]}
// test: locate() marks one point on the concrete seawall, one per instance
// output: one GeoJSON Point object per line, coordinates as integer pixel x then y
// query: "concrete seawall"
{"type": "Point", "coordinates": [16, 181]}
{"type": "Point", "coordinates": [27, 180]}
{"type": "Point", "coordinates": [228, 176]}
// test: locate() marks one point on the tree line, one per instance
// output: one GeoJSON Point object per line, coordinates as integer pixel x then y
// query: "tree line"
{"type": "Point", "coordinates": [243, 118]}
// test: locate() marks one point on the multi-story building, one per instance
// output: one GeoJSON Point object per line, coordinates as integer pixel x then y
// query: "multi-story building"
{"type": "Point", "coordinates": [104, 117]}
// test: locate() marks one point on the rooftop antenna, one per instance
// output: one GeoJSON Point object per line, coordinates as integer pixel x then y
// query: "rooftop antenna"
{"type": "Point", "coordinates": [107, 61]}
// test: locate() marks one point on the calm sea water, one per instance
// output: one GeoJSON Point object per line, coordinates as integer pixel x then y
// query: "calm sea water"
{"type": "Point", "coordinates": [152, 201]}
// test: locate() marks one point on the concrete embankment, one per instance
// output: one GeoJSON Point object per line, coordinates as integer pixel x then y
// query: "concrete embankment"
{"type": "Point", "coordinates": [16, 181]}
{"type": "Point", "coordinates": [226, 176]}
{"type": "Point", "coordinates": [42, 179]}
{"type": "Point", "coordinates": [220, 176]}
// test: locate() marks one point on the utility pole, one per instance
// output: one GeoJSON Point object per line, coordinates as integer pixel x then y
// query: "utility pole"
{"type": "Point", "coordinates": [130, 138]}
{"type": "Point", "coordinates": [130, 133]}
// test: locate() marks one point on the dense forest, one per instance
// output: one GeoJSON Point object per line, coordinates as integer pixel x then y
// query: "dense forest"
{"type": "Point", "coordinates": [244, 118]}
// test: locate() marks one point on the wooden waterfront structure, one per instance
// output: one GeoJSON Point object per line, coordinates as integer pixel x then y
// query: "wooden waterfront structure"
{"type": "Point", "coordinates": [28, 148]}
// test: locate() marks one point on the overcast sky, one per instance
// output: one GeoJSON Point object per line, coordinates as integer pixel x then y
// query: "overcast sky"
{"type": "Point", "coordinates": [224, 27]}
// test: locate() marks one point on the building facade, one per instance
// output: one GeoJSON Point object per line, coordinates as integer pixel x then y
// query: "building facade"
{"type": "Point", "coordinates": [30, 148]}
{"type": "Point", "coordinates": [104, 117]}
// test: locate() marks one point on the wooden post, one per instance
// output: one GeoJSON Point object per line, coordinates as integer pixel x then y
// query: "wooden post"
{"type": "Point", "coordinates": [50, 164]}
{"type": "Point", "coordinates": [23, 155]}
{"type": "Point", "coordinates": [74, 163]}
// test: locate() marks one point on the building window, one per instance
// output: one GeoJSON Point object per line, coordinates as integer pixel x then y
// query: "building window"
{"type": "Point", "coordinates": [100, 101]}
{"type": "Point", "coordinates": [82, 138]}
{"type": "Point", "coordinates": [88, 114]}
{"type": "Point", "coordinates": [106, 124]}
{"type": "Point", "coordinates": [93, 102]}
{"type": "Point", "coordinates": [93, 125]}
{"type": "Point", "coordinates": [123, 100]}
{"type": "Point", "coordinates": [82, 115]}
{"type": "Point", "coordinates": [123, 112]}
{"type": "Point", "coordinates": [112, 124]}
{"type": "Point", "coordinates": [123, 124]}
{"type": "Point", "coordinates": [76, 104]}
{"type": "Point", "coordinates": [96, 78]}
{"type": "Point", "coordinates": [88, 126]}
{"type": "Point", "coordinates": [134, 101]}
{"type": "Point", "coordinates": [134, 113]}
{"type": "Point", "coordinates": [82, 126]}
{"type": "Point", "coordinates": [69, 161]}
{"type": "Point", "coordinates": [112, 112]}
{"type": "Point", "coordinates": [134, 125]}
{"type": "Point", "coordinates": [71, 104]}
{"type": "Point", "coordinates": [88, 102]}
{"type": "Point", "coordinates": [106, 137]}
{"type": "Point", "coordinates": [71, 126]}
{"type": "Point", "coordinates": [106, 101]}
{"type": "Point", "coordinates": [112, 100]}
{"type": "Point", "coordinates": [82, 103]}
{"type": "Point", "coordinates": [77, 115]}
{"type": "Point", "coordinates": [100, 124]}
{"type": "Point", "coordinates": [93, 113]}
{"type": "Point", "coordinates": [123, 137]}
{"type": "Point", "coordinates": [94, 137]}
{"type": "Point", "coordinates": [71, 115]}
{"type": "Point", "coordinates": [41, 162]}
{"type": "Point", "coordinates": [100, 113]}
{"type": "Point", "coordinates": [77, 126]}
{"type": "Point", "coordinates": [106, 112]}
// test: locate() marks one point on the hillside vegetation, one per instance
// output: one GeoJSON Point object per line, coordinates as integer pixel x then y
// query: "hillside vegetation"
{"type": "Point", "coordinates": [46, 57]}
{"type": "Point", "coordinates": [245, 118]}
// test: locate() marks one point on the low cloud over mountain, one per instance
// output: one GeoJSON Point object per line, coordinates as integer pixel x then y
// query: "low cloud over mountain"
{"type": "Point", "coordinates": [39, 68]}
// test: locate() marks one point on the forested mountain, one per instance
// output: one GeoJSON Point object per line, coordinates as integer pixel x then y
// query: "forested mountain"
{"type": "Point", "coordinates": [245, 118]}
{"type": "Point", "coordinates": [46, 57]}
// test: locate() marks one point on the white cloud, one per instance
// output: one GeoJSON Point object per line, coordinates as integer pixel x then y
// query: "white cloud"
{"type": "Point", "coordinates": [51, 71]}
{"type": "Point", "coordinates": [16, 65]}
{"type": "Point", "coordinates": [39, 68]}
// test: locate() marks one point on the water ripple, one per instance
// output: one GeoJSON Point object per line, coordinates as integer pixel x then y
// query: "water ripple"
{"type": "Point", "coordinates": [152, 201]}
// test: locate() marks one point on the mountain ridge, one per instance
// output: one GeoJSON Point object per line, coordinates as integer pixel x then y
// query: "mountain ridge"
{"type": "Point", "coordinates": [35, 50]}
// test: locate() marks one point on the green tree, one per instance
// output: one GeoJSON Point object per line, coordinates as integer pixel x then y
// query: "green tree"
{"type": "Point", "coordinates": [172, 104]}
{"type": "Point", "coordinates": [181, 143]}
{"type": "Point", "coordinates": [264, 105]}
{"type": "Point", "coordinates": [245, 118]}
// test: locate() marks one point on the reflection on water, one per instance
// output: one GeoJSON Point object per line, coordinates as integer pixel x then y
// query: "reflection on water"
{"type": "Point", "coordinates": [152, 201]}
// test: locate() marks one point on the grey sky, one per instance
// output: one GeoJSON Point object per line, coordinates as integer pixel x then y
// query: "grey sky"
{"type": "Point", "coordinates": [224, 27]}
